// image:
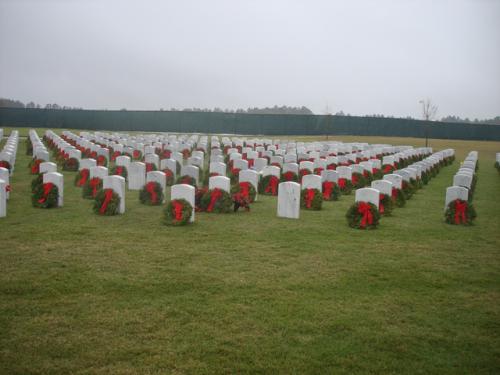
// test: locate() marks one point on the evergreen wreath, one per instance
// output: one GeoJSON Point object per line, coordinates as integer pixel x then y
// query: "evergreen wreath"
{"type": "Point", "coordinates": [331, 191]}
{"type": "Point", "coordinates": [345, 186]}
{"type": "Point", "coordinates": [136, 155]}
{"type": "Point", "coordinates": [268, 185]}
{"type": "Point", "coordinates": [398, 197]}
{"type": "Point", "coordinates": [216, 200]}
{"type": "Point", "coordinates": [45, 195]}
{"type": "Point", "coordinates": [460, 212]}
{"type": "Point", "coordinates": [170, 176]}
{"type": "Point", "coordinates": [82, 177]}
{"type": "Point", "coordinates": [106, 202]}
{"type": "Point", "coordinates": [178, 212]}
{"type": "Point", "coordinates": [358, 180]}
{"type": "Point", "coordinates": [102, 161]}
{"type": "Point", "coordinates": [289, 176]}
{"type": "Point", "coordinates": [246, 189]}
{"type": "Point", "coordinates": [34, 165]}
{"type": "Point", "coordinates": [363, 215]}
{"type": "Point", "coordinates": [91, 188]}
{"type": "Point", "coordinates": [151, 194]}
{"type": "Point", "coordinates": [385, 205]}
{"type": "Point", "coordinates": [150, 167]}
{"type": "Point", "coordinates": [186, 180]}
{"type": "Point", "coordinates": [119, 170]}
{"type": "Point", "coordinates": [70, 164]}
{"type": "Point", "coordinates": [311, 199]}
{"type": "Point", "coordinates": [5, 164]}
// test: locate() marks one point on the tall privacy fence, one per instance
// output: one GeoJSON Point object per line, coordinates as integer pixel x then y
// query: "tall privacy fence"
{"type": "Point", "coordinates": [236, 123]}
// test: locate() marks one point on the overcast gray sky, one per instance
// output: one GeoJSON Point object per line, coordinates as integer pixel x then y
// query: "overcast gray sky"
{"type": "Point", "coordinates": [362, 57]}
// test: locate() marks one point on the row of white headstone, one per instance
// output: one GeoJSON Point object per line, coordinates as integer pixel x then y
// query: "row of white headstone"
{"type": "Point", "coordinates": [8, 154]}
{"type": "Point", "coordinates": [462, 180]}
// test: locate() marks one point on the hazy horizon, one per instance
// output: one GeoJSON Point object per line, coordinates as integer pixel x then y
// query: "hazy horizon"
{"type": "Point", "coordinates": [361, 57]}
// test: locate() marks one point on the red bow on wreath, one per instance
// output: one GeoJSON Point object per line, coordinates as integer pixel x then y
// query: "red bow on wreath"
{"type": "Point", "coordinates": [365, 210]}
{"type": "Point", "coordinates": [46, 190]}
{"type": "Point", "coordinates": [84, 175]}
{"type": "Point", "coordinates": [342, 183]}
{"type": "Point", "coordinates": [177, 210]}
{"type": "Point", "coordinates": [150, 188]}
{"type": "Point", "coordinates": [309, 196]}
{"type": "Point", "coordinates": [380, 204]}
{"type": "Point", "coordinates": [214, 197]}
{"type": "Point", "coordinates": [327, 189]}
{"type": "Point", "coordinates": [94, 184]}
{"type": "Point", "coordinates": [460, 209]}
{"type": "Point", "coordinates": [119, 170]}
{"type": "Point", "coordinates": [272, 187]}
{"type": "Point", "coordinates": [394, 193]}
{"type": "Point", "coordinates": [245, 189]}
{"type": "Point", "coordinates": [35, 168]}
{"type": "Point", "coordinates": [108, 195]}
{"type": "Point", "coordinates": [355, 179]}
{"type": "Point", "coordinates": [387, 169]}
{"type": "Point", "coordinates": [7, 189]}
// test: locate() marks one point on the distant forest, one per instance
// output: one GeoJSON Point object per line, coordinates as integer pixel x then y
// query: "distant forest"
{"type": "Point", "coordinates": [276, 110]}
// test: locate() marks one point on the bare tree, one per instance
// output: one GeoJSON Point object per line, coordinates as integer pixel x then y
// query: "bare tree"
{"type": "Point", "coordinates": [429, 109]}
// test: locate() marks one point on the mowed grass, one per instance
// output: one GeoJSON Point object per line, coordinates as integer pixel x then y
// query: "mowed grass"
{"type": "Point", "coordinates": [249, 292]}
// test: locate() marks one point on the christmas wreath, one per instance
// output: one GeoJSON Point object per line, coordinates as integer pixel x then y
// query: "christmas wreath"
{"type": "Point", "coordinates": [268, 185]}
{"type": "Point", "coordinates": [289, 176]}
{"type": "Point", "coordinates": [398, 197]}
{"type": "Point", "coordinates": [460, 212]}
{"type": "Point", "coordinates": [216, 200]}
{"type": "Point", "coordinates": [34, 165]}
{"type": "Point", "coordinates": [425, 177]}
{"type": "Point", "coordinates": [331, 166]}
{"type": "Point", "coordinates": [407, 189]}
{"type": "Point", "coordinates": [318, 171]}
{"type": "Point", "coordinates": [358, 180]}
{"type": "Point", "coordinates": [165, 154]}
{"type": "Point", "coordinates": [387, 168]}
{"type": "Point", "coordinates": [38, 180]}
{"type": "Point", "coordinates": [102, 161]}
{"type": "Point", "coordinates": [240, 200]}
{"type": "Point", "coordinates": [82, 177]}
{"type": "Point", "coordinates": [170, 176]}
{"type": "Point", "coordinates": [5, 164]}
{"type": "Point", "coordinates": [178, 212]}
{"type": "Point", "coordinates": [331, 191]}
{"type": "Point", "coordinates": [186, 180]}
{"type": "Point", "coordinates": [311, 199]}
{"type": "Point", "coordinates": [246, 189]}
{"type": "Point", "coordinates": [234, 174]}
{"type": "Point", "coordinates": [186, 153]}
{"type": "Point", "coordinates": [137, 155]}
{"type": "Point", "coordinates": [70, 164]}
{"type": "Point", "coordinates": [151, 194]}
{"type": "Point", "coordinates": [150, 167]}
{"type": "Point", "coordinates": [199, 193]}
{"type": "Point", "coordinates": [304, 172]}
{"type": "Point", "coordinates": [345, 186]}
{"type": "Point", "coordinates": [385, 204]}
{"type": "Point", "coordinates": [363, 215]}
{"type": "Point", "coordinates": [368, 176]}
{"type": "Point", "coordinates": [45, 195]}
{"type": "Point", "coordinates": [106, 202]}
{"type": "Point", "coordinates": [377, 174]}
{"type": "Point", "coordinates": [119, 170]}
{"type": "Point", "coordinates": [115, 154]}
{"type": "Point", "coordinates": [91, 188]}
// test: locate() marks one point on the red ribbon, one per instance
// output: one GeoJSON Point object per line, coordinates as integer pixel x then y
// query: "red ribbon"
{"type": "Point", "coordinates": [342, 183]}
{"type": "Point", "coordinates": [8, 189]}
{"type": "Point", "coordinates": [331, 167]}
{"type": "Point", "coordinates": [214, 197]}
{"type": "Point", "coordinates": [380, 205]}
{"type": "Point", "coordinates": [245, 189]}
{"type": "Point", "coordinates": [394, 194]}
{"type": "Point", "coordinates": [250, 163]}
{"type": "Point", "coordinates": [288, 176]}
{"type": "Point", "coordinates": [460, 208]}
{"type": "Point", "coordinates": [364, 209]}
{"type": "Point", "coordinates": [387, 169]}
{"type": "Point", "coordinates": [327, 189]}
{"type": "Point", "coordinates": [235, 171]}
{"type": "Point", "coordinates": [101, 160]}
{"type": "Point", "coordinates": [94, 183]}
{"type": "Point", "coordinates": [149, 167]}
{"type": "Point", "coordinates": [309, 196]}
{"type": "Point", "coordinates": [318, 171]}
{"type": "Point", "coordinates": [150, 188]}
{"type": "Point", "coordinates": [136, 154]}
{"type": "Point", "coordinates": [354, 179]}
{"type": "Point", "coordinates": [177, 210]}
{"type": "Point", "coordinates": [272, 187]}
{"type": "Point", "coordinates": [119, 170]}
{"type": "Point", "coordinates": [35, 168]}
{"type": "Point", "coordinates": [108, 195]}
{"type": "Point", "coordinates": [375, 170]}
{"type": "Point", "coordinates": [46, 190]}
{"type": "Point", "coordinates": [84, 175]}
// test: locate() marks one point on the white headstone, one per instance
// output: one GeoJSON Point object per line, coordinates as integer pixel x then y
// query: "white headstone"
{"type": "Point", "coordinates": [191, 170]}
{"type": "Point", "coordinates": [58, 180]}
{"type": "Point", "coordinates": [312, 181]}
{"type": "Point", "coordinates": [100, 172]}
{"type": "Point", "coordinates": [368, 195]}
{"type": "Point", "coordinates": [47, 167]}
{"type": "Point", "coordinates": [219, 168]}
{"type": "Point", "coordinates": [220, 182]}
{"type": "Point", "coordinates": [136, 175]}
{"type": "Point", "coordinates": [330, 175]}
{"type": "Point", "coordinates": [289, 200]}
{"type": "Point", "coordinates": [117, 183]}
{"type": "Point", "coordinates": [384, 186]}
{"type": "Point", "coordinates": [89, 163]}
{"type": "Point", "coordinates": [183, 191]}
{"type": "Point", "coordinates": [396, 180]}
{"type": "Point", "coordinates": [157, 176]}
{"type": "Point", "coordinates": [248, 175]}
{"type": "Point", "coordinates": [455, 192]}
{"type": "Point", "coordinates": [458, 180]}
{"type": "Point", "coordinates": [123, 161]}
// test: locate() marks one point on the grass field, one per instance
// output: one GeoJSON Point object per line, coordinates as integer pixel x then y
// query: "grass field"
{"type": "Point", "coordinates": [251, 293]}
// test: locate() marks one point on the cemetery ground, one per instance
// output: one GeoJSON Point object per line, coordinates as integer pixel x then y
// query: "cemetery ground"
{"type": "Point", "coordinates": [249, 292]}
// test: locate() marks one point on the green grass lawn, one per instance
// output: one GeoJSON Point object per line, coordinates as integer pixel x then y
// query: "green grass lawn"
{"type": "Point", "coordinates": [249, 292]}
